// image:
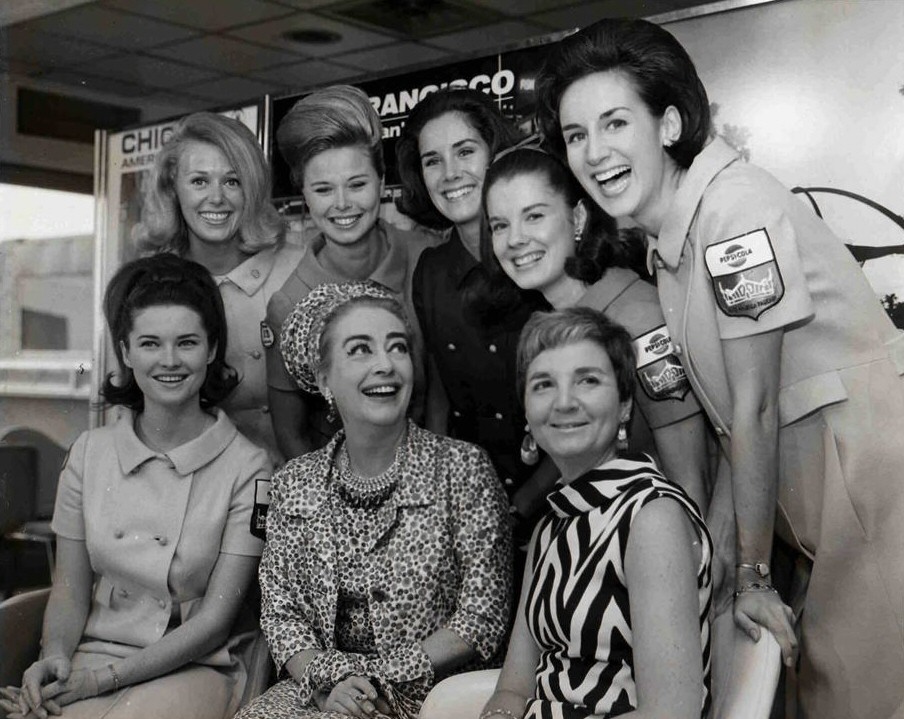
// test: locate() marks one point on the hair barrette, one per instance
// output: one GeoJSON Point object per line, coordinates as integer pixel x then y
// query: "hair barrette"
{"type": "Point", "coordinates": [531, 142]}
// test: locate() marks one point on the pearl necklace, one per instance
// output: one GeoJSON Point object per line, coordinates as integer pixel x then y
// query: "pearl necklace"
{"type": "Point", "coordinates": [366, 492]}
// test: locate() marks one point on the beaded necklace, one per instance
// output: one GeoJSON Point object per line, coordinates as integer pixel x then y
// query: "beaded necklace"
{"type": "Point", "coordinates": [366, 492]}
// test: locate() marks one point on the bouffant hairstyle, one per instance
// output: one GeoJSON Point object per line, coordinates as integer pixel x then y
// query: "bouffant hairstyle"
{"type": "Point", "coordinates": [660, 69]}
{"type": "Point", "coordinates": [162, 226]}
{"type": "Point", "coordinates": [335, 117]}
{"type": "Point", "coordinates": [479, 112]}
{"type": "Point", "coordinates": [551, 330]}
{"type": "Point", "coordinates": [167, 280]}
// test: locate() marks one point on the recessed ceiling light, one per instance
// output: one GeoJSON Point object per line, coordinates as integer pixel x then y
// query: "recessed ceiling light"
{"type": "Point", "coordinates": [312, 36]}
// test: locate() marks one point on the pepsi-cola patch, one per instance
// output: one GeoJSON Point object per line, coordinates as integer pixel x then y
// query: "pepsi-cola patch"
{"type": "Point", "coordinates": [267, 336]}
{"type": "Point", "coordinates": [261, 506]}
{"type": "Point", "coordinates": [658, 369]}
{"type": "Point", "coordinates": [746, 277]}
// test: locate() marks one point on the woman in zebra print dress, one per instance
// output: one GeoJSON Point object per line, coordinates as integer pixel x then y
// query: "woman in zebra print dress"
{"type": "Point", "coordinates": [613, 613]}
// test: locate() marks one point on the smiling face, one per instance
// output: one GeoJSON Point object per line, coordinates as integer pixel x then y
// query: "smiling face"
{"type": "Point", "coordinates": [615, 147]}
{"type": "Point", "coordinates": [454, 160]}
{"type": "Point", "coordinates": [209, 193]}
{"type": "Point", "coordinates": [532, 228]}
{"type": "Point", "coordinates": [572, 406]}
{"type": "Point", "coordinates": [168, 353]}
{"type": "Point", "coordinates": [369, 368]}
{"type": "Point", "coordinates": [342, 191]}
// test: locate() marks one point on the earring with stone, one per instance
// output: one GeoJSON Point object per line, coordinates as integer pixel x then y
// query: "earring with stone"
{"type": "Point", "coordinates": [621, 441]}
{"type": "Point", "coordinates": [530, 454]}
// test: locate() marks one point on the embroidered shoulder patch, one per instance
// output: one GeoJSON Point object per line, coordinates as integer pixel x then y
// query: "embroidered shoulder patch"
{"type": "Point", "coordinates": [746, 277]}
{"type": "Point", "coordinates": [267, 336]}
{"type": "Point", "coordinates": [261, 505]}
{"type": "Point", "coordinates": [658, 369]}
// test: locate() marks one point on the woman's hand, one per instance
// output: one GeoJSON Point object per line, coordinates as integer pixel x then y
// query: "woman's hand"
{"type": "Point", "coordinates": [40, 674]}
{"type": "Point", "coordinates": [81, 684]}
{"type": "Point", "coordinates": [755, 609]}
{"type": "Point", "coordinates": [354, 696]}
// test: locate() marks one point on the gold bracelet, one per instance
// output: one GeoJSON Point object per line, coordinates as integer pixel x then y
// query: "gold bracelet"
{"type": "Point", "coordinates": [755, 587]}
{"type": "Point", "coordinates": [500, 712]}
{"type": "Point", "coordinates": [116, 682]}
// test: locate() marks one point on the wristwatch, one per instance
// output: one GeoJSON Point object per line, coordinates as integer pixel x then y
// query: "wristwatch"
{"type": "Point", "coordinates": [760, 568]}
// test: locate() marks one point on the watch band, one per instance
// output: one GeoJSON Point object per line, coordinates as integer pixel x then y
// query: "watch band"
{"type": "Point", "coordinates": [760, 568]}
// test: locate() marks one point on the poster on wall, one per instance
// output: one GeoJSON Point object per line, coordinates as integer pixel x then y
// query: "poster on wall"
{"type": "Point", "coordinates": [508, 78]}
{"type": "Point", "coordinates": [123, 169]}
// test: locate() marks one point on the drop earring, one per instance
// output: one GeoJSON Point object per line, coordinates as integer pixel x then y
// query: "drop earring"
{"type": "Point", "coordinates": [621, 442]}
{"type": "Point", "coordinates": [530, 454]}
{"type": "Point", "coordinates": [332, 415]}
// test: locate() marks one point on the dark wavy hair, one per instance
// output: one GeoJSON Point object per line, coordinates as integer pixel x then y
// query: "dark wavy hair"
{"type": "Point", "coordinates": [551, 330]}
{"type": "Point", "coordinates": [662, 72]}
{"type": "Point", "coordinates": [165, 279]}
{"type": "Point", "coordinates": [601, 245]}
{"type": "Point", "coordinates": [479, 111]}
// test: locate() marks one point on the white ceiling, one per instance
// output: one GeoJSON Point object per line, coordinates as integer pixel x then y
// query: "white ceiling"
{"type": "Point", "coordinates": [191, 54]}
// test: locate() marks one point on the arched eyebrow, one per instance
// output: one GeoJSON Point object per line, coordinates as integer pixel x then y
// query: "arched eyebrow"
{"type": "Point", "coordinates": [602, 116]}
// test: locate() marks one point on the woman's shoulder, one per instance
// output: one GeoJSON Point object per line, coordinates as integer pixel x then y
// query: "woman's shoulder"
{"type": "Point", "coordinates": [299, 487]}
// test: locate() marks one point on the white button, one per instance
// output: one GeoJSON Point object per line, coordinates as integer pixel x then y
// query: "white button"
{"type": "Point", "coordinates": [255, 273]}
{"type": "Point", "coordinates": [162, 541]}
{"type": "Point", "coordinates": [162, 603]}
{"type": "Point", "coordinates": [509, 481]}
{"type": "Point", "coordinates": [498, 415]}
{"type": "Point", "coordinates": [256, 354]}
{"type": "Point", "coordinates": [720, 431]}
{"type": "Point", "coordinates": [677, 348]}
{"type": "Point", "coordinates": [451, 346]}
{"type": "Point", "coordinates": [265, 409]}
{"type": "Point", "coordinates": [492, 348]}
{"type": "Point", "coordinates": [456, 413]}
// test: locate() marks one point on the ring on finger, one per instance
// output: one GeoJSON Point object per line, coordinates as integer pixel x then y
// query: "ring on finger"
{"type": "Point", "coordinates": [360, 697]}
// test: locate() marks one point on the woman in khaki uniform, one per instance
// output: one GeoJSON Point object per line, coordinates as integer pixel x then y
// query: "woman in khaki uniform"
{"type": "Point", "coordinates": [784, 342]}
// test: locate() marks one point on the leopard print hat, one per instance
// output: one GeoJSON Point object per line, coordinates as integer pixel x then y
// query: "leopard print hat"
{"type": "Point", "coordinates": [299, 338]}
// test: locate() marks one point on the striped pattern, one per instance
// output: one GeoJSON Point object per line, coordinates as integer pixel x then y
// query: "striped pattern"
{"type": "Point", "coordinates": [578, 610]}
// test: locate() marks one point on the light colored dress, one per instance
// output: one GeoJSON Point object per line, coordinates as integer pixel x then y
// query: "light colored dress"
{"type": "Point", "coordinates": [154, 526]}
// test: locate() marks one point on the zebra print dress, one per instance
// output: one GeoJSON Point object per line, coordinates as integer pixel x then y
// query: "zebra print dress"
{"type": "Point", "coordinates": [578, 608]}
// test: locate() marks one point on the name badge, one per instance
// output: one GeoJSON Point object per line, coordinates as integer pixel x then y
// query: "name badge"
{"type": "Point", "coordinates": [658, 369]}
{"type": "Point", "coordinates": [745, 275]}
{"type": "Point", "coordinates": [261, 505]}
{"type": "Point", "coordinates": [267, 336]}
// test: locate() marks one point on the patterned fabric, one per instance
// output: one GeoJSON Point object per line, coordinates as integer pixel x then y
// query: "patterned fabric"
{"type": "Point", "coordinates": [578, 608]}
{"type": "Point", "coordinates": [449, 505]}
{"type": "Point", "coordinates": [299, 338]}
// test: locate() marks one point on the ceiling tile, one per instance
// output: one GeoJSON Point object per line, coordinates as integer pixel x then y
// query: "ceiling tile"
{"type": "Point", "coordinates": [204, 14]}
{"type": "Point", "coordinates": [23, 43]}
{"type": "Point", "coordinates": [307, 74]}
{"type": "Point", "coordinates": [587, 13]}
{"type": "Point", "coordinates": [226, 54]}
{"type": "Point", "coordinates": [233, 90]}
{"type": "Point", "coordinates": [518, 8]}
{"type": "Point", "coordinates": [92, 82]}
{"type": "Point", "coordinates": [110, 27]}
{"type": "Point", "coordinates": [272, 34]}
{"type": "Point", "coordinates": [148, 70]}
{"type": "Point", "coordinates": [389, 57]}
{"type": "Point", "coordinates": [488, 37]}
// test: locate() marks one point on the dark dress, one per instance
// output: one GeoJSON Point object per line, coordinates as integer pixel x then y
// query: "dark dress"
{"type": "Point", "coordinates": [475, 359]}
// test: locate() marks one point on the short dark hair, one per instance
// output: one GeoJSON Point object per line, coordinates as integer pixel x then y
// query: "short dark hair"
{"type": "Point", "coordinates": [335, 117]}
{"type": "Point", "coordinates": [662, 72]}
{"type": "Point", "coordinates": [165, 279]}
{"type": "Point", "coordinates": [479, 111]}
{"type": "Point", "coordinates": [551, 330]}
{"type": "Point", "coordinates": [601, 245]}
